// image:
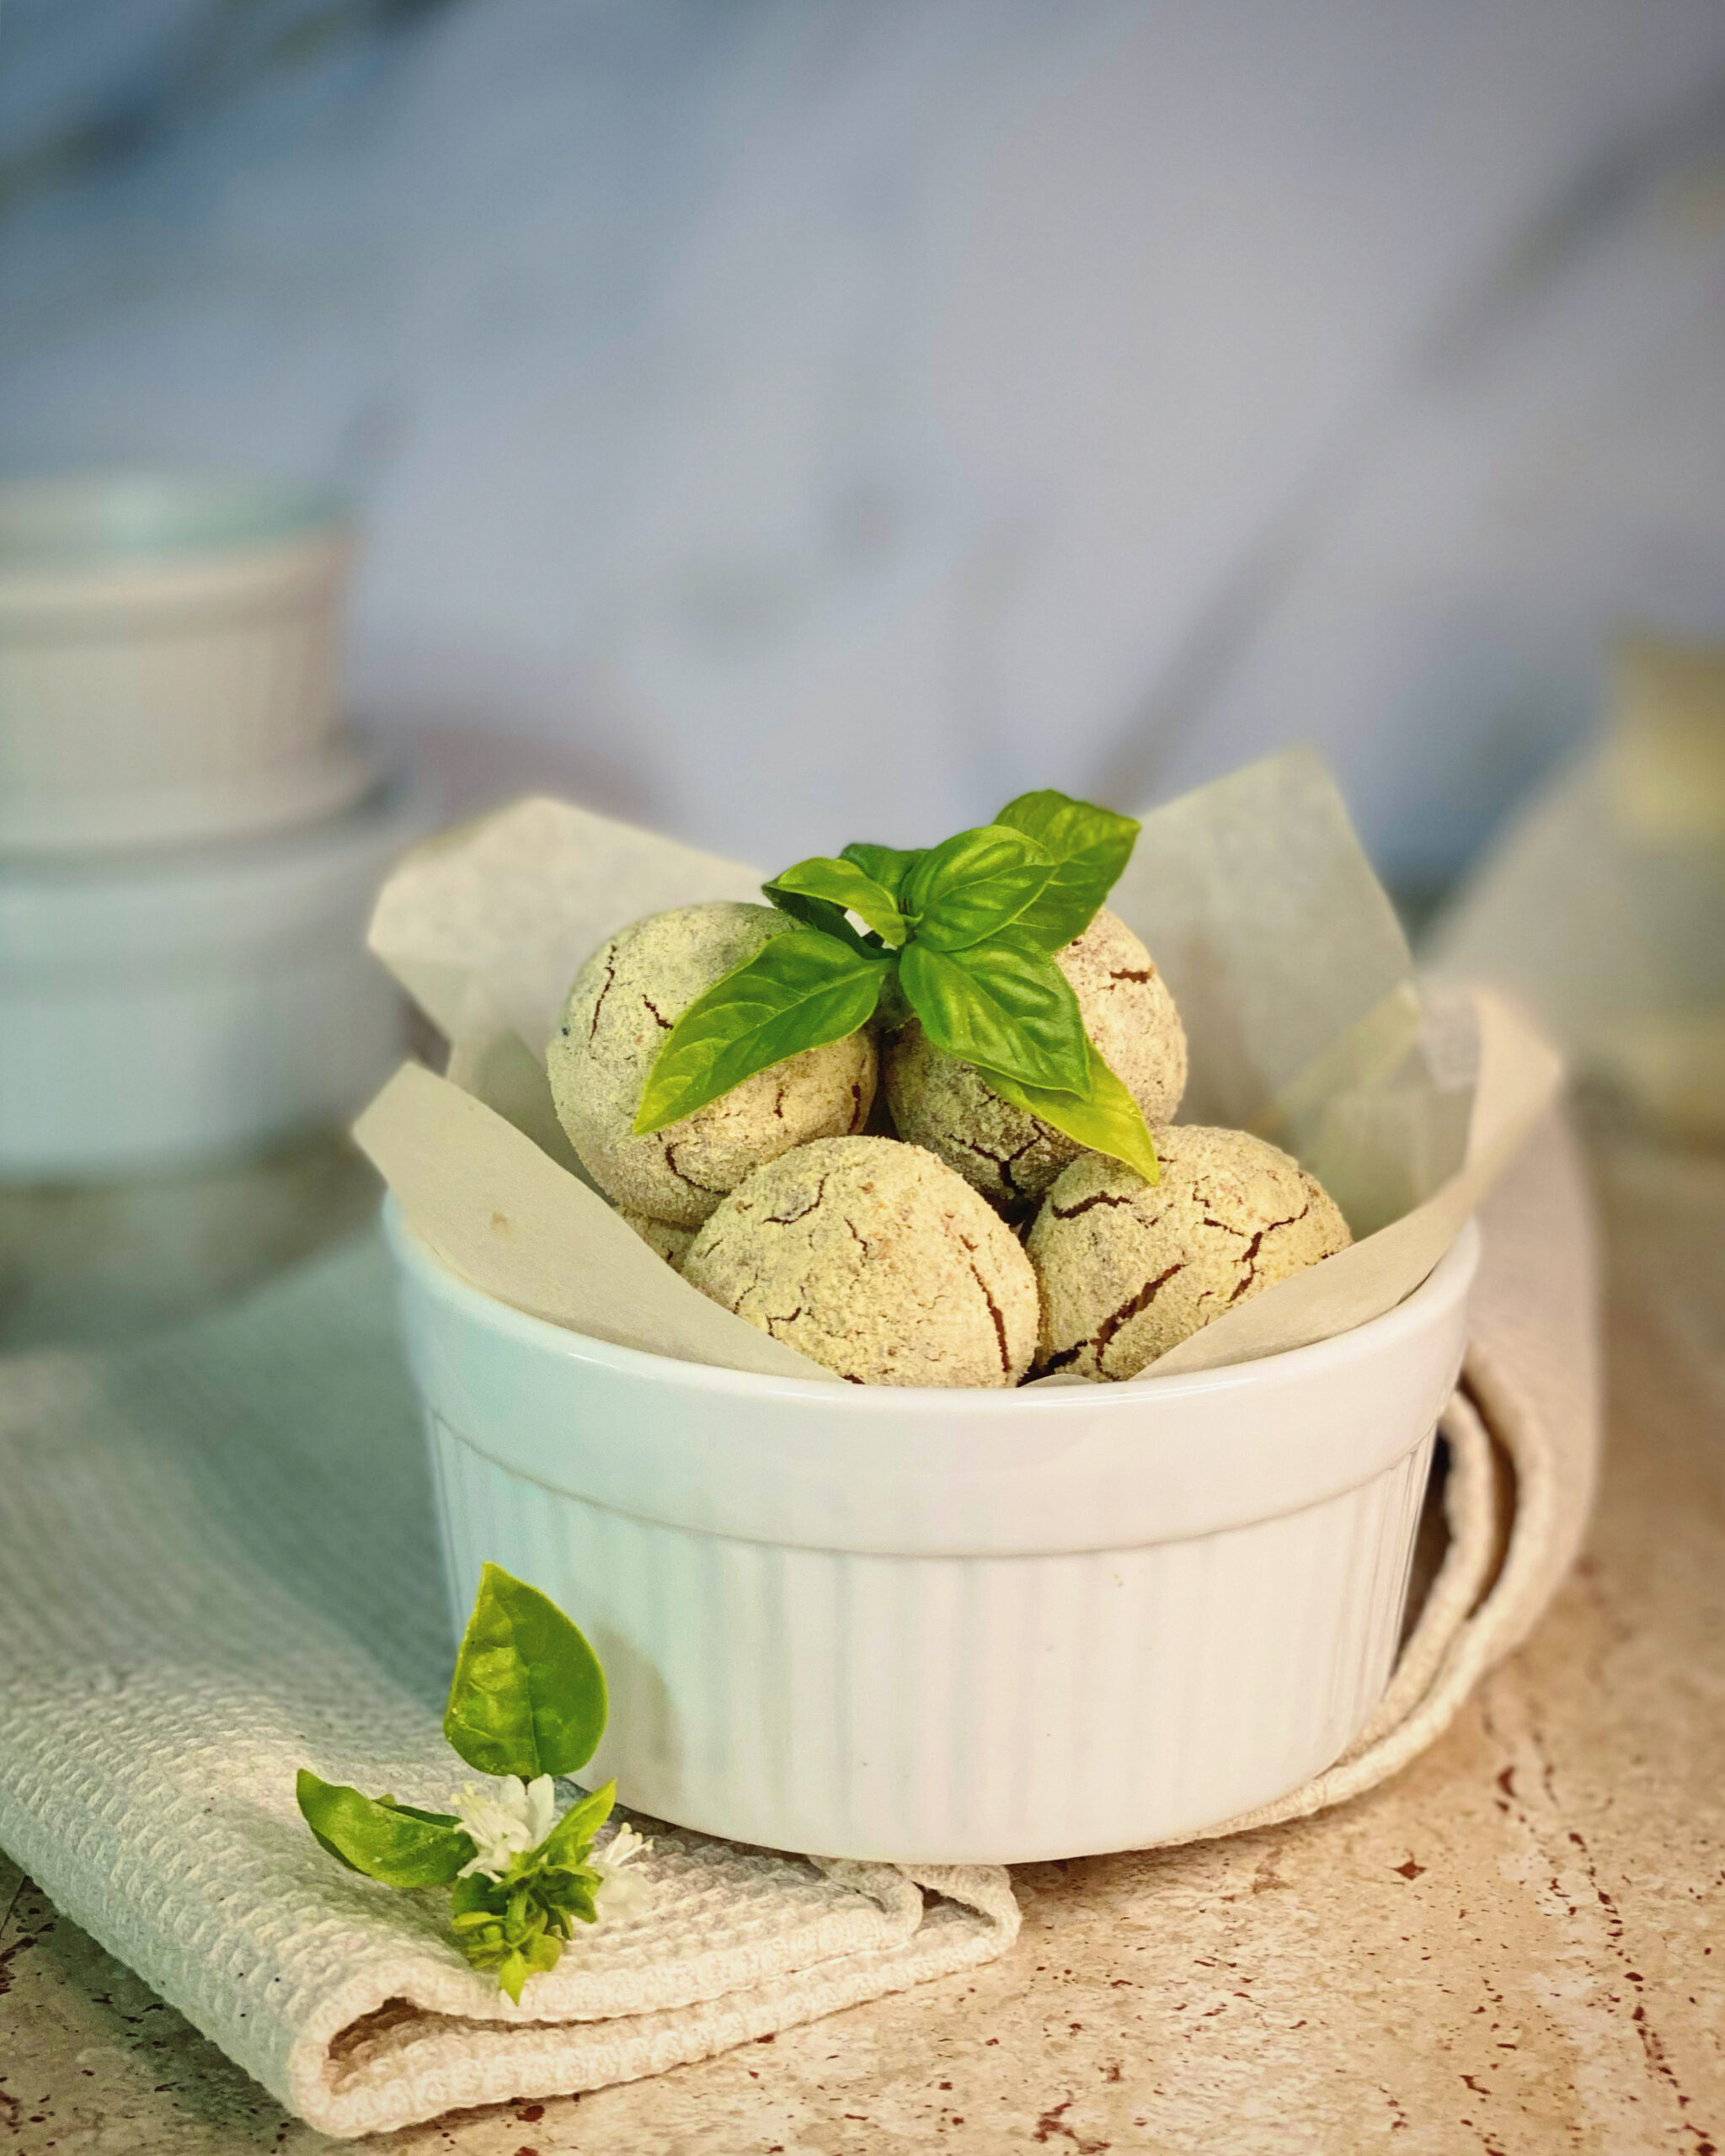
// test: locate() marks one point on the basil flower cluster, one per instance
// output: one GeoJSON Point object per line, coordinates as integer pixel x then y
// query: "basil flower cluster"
{"type": "Point", "coordinates": [527, 1704]}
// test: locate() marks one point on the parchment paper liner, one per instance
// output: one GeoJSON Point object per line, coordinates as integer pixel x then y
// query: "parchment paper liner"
{"type": "Point", "coordinates": [1283, 951]}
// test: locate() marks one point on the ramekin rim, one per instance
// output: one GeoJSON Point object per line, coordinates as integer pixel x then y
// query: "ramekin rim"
{"type": "Point", "coordinates": [1448, 1281]}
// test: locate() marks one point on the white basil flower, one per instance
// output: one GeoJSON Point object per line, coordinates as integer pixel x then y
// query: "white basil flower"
{"type": "Point", "coordinates": [504, 1821]}
{"type": "Point", "coordinates": [619, 1889]}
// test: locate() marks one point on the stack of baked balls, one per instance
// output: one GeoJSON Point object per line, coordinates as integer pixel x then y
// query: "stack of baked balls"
{"type": "Point", "coordinates": [977, 1246]}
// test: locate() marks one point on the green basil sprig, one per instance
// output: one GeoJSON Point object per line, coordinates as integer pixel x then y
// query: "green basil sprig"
{"type": "Point", "coordinates": [383, 1839]}
{"type": "Point", "coordinates": [527, 1700]}
{"type": "Point", "coordinates": [963, 935]}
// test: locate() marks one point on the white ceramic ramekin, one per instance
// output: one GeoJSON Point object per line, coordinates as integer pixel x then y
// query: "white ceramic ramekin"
{"type": "Point", "coordinates": [169, 657]}
{"type": "Point", "coordinates": [953, 1626]}
{"type": "Point", "coordinates": [161, 1007]}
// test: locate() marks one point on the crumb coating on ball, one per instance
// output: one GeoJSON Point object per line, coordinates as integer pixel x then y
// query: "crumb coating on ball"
{"type": "Point", "coordinates": [871, 1257]}
{"type": "Point", "coordinates": [662, 1237]}
{"type": "Point", "coordinates": [624, 1002]}
{"type": "Point", "coordinates": [1128, 1269]}
{"type": "Point", "coordinates": [1009, 1155]}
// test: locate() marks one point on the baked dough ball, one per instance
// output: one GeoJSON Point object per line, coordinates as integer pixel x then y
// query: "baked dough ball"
{"type": "Point", "coordinates": [1010, 1156]}
{"type": "Point", "coordinates": [1128, 1269]}
{"type": "Point", "coordinates": [870, 1257]}
{"type": "Point", "coordinates": [661, 1237]}
{"type": "Point", "coordinates": [625, 1000]}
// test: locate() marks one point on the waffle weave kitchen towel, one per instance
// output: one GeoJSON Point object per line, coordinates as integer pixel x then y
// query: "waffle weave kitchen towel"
{"type": "Point", "coordinates": [218, 1561]}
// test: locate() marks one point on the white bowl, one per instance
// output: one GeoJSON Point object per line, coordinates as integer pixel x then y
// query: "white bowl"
{"type": "Point", "coordinates": [160, 1007]}
{"type": "Point", "coordinates": [169, 656]}
{"type": "Point", "coordinates": [952, 1626]}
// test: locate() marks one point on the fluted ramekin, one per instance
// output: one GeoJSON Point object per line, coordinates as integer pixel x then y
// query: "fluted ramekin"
{"type": "Point", "coordinates": [953, 1626]}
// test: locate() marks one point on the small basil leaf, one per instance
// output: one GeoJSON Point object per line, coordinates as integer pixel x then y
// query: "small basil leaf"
{"type": "Point", "coordinates": [388, 1842]}
{"type": "Point", "coordinates": [528, 1695]}
{"type": "Point", "coordinates": [1089, 847]}
{"type": "Point", "coordinates": [569, 1839]}
{"type": "Point", "coordinates": [999, 1006]}
{"type": "Point", "coordinates": [822, 914]}
{"type": "Point", "coordinates": [412, 1812]}
{"type": "Point", "coordinates": [799, 991]}
{"type": "Point", "coordinates": [886, 864]}
{"type": "Point", "coordinates": [894, 1006]}
{"type": "Point", "coordinates": [843, 884]}
{"type": "Point", "coordinates": [1109, 1122]}
{"type": "Point", "coordinates": [974, 886]}
{"type": "Point", "coordinates": [472, 1899]}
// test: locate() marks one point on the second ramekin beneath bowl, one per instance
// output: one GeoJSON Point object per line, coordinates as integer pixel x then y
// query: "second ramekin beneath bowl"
{"type": "Point", "coordinates": [188, 1003]}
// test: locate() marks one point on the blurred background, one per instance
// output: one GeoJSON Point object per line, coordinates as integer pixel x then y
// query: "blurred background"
{"type": "Point", "coordinates": [803, 422]}
{"type": "Point", "coordinates": [782, 424]}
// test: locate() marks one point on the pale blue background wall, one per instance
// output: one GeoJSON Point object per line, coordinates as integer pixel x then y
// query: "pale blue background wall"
{"type": "Point", "coordinates": [820, 421]}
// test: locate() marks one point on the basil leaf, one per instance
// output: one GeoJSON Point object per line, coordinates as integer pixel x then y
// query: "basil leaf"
{"type": "Point", "coordinates": [528, 1695]}
{"type": "Point", "coordinates": [1109, 1122]}
{"type": "Point", "coordinates": [821, 914]}
{"type": "Point", "coordinates": [799, 991]}
{"type": "Point", "coordinates": [886, 864]}
{"type": "Point", "coordinates": [1002, 1006]}
{"type": "Point", "coordinates": [541, 1954]}
{"type": "Point", "coordinates": [1089, 847]}
{"type": "Point", "coordinates": [973, 886]}
{"type": "Point", "coordinates": [843, 884]}
{"type": "Point", "coordinates": [474, 1898]}
{"type": "Point", "coordinates": [569, 1841]}
{"type": "Point", "coordinates": [894, 1005]}
{"type": "Point", "coordinates": [389, 1842]}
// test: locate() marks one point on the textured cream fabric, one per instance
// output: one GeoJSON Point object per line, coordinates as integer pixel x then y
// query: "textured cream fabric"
{"type": "Point", "coordinates": [218, 1561]}
{"type": "Point", "coordinates": [220, 1564]}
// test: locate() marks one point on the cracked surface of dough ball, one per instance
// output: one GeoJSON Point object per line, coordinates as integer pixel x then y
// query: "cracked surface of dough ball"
{"type": "Point", "coordinates": [1128, 1269]}
{"type": "Point", "coordinates": [870, 1257]}
{"type": "Point", "coordinates": [624, 1001]}
{"type": "Point", "coordinates": [1009, 1155]}
{"type": "Point", "coordinates": [662, 1237]}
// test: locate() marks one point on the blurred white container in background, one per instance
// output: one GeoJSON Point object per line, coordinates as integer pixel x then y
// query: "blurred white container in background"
{"type": "Point", "coordinates": [161, 1006]}
{"type": "Point", "coordinates": [1602, 906]}
{"type": "Point", "coordinates": [169, 660]}
{"type": "Point", "coordinates": [190, 843]}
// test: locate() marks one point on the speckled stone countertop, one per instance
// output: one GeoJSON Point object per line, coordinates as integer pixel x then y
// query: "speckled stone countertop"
{"type": "Point", "coordinates": [1515, 1947]}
